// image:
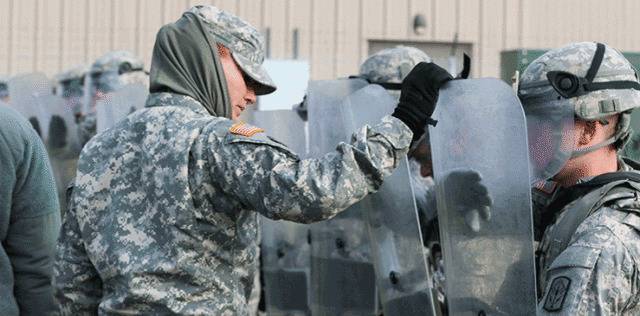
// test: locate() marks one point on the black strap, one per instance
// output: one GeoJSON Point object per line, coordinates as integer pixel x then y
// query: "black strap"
{"type": "Point", "coordinates": [388, 85]}
{"type": "Point", "coordinates": [595, 63]}
{"type": "Point", "coordinates": [563, 231]}
{"type": "Point", "coordinates": [606, 178]}
{"type": "Point", "coordinates": [466, 67]}
{"type": "Point", "coordinates": [616, 85]}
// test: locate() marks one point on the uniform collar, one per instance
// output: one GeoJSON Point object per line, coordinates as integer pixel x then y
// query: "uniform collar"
{"type": "Point", "coordinates": [174, 99]}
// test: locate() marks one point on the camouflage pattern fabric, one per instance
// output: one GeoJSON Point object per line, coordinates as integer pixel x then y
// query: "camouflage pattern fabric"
{"type": "Point", "coordinates": [243, 40]}
{"type": "Point", "coordinates": [392, 64]}
{"type": "Point", "coordinates": [163, 213]}
{"type": "Point", "coordinates": [598, 274]}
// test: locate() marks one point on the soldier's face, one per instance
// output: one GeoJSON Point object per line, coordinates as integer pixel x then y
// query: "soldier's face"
{"type": "Point", "coordinates": [241, 95]}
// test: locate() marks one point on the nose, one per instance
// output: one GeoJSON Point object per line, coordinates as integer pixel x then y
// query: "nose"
{"type": "Point", "coordinates": [250, 97]}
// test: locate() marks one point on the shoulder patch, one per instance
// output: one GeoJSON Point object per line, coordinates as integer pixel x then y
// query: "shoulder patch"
{"type": "Point", "coordinates": [245, 129]}
{"type": "Point", "coordinates": [557, 293]}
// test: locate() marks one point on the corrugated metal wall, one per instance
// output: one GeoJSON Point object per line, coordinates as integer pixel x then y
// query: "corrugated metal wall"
{"type": "Point", "coordinates": [53, 35]}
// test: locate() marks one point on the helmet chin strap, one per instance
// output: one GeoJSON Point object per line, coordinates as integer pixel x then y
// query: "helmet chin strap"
{"type": "Point", "coordinates": [582, 151]}
{"type": "Point", "coordinates": [622, 135]}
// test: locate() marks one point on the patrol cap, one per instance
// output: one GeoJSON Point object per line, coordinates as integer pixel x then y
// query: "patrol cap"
{"type": "Point", "coordinates": [243, 40]}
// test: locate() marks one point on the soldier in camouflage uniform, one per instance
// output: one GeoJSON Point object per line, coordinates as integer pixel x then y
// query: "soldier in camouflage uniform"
{"type": "Point", "coordinates": [163, 212]}
{"type": "Point", "coordinates": [108, 73]}
{"type": "Point", "coordinates": [590, 251]}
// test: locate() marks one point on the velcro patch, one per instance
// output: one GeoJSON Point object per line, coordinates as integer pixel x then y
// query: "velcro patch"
{"type": "Point", "coordinates": [556, 294]}
{"type": "Point", "coordinates": [245, 129]}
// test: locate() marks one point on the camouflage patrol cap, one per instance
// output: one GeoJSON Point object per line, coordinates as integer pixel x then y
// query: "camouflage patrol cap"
{"type": "Point", "coordinates": [576, 58]}
{"type": "Point", "coordinates": [243, 40]}
{"type": "Point", "coordinates": [391, 65]}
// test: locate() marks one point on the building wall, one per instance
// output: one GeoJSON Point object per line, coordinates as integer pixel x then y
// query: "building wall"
{"type": "Point", "coordinates": [333, 35]}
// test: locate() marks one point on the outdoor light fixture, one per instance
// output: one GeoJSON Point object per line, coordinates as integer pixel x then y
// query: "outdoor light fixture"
{"type": "Point", "coordinates": [419, 24]}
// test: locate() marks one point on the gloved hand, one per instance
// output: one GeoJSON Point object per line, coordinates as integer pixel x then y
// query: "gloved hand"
{"type": "Point", "coordinates": [470, 197]}
{"type": "Point", "coordinates": [419, 95]}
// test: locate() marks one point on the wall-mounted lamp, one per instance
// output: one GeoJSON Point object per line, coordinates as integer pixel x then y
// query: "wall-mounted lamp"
{"type": "Point", "coordinates": [419, 24]}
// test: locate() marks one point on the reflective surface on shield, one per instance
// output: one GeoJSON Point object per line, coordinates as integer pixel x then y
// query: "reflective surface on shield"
{"type": "Point", "coordinates": [62, 144]}
{"type": "Point", "coordinates": [284, 246]}
{"type": "Point", "coordinates": [118, 104]}
{"type": "Point", "coordinates": [24, 90]}
{"type": "Point", "coordinates": [550, 127]}
{"type": "Point", "coordinates": [481, 127]}
{"type": "Point", "coordinates": [392, 219]}
{"type": "Point", "coordinates": [342, 275]}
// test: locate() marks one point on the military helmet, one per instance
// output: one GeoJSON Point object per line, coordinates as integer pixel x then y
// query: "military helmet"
{"type": "Point", "coordinates": [117, 68]}
{"type": "Point", "coordinates": [70, 82]}
{"type": "Point", "coordinates": [594, 79]}
{"type": "Point", "coordinates": [391, 65]}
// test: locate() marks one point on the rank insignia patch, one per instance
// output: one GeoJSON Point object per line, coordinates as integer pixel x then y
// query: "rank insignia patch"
{"type": "Point", "coordinates": [245, 129]}
{"type": "Point", "coordinates": [556, 294]}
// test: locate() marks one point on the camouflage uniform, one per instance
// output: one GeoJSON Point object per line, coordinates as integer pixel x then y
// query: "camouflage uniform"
{"type": "Point", "coordinates": [162, 216]}
{"type": "Point", "coordinates": [108, 73]}
{"type": "Point", "coordinates": [597, 273]}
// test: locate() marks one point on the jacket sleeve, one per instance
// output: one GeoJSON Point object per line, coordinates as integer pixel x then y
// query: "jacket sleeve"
{"type": "Point", "coordinates": [78, 287]}
{"type": "Point", "coordinates": [34, 224]}
{"type": "Point", "coordinates": [267, 177]}
{"type": "Point", "coordinates": [596, 275]}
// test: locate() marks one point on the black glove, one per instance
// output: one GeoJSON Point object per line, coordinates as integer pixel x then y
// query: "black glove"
{"type": "Point", "coordinates": [419, 95]}
{"type": "Point", "coordinates": [469, 196]}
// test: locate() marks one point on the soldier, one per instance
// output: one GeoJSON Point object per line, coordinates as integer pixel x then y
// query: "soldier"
{"type": "Point", "coordinates": [71, 88]}
{"type": "Point", "coordinates": [578, 100]}
{"type": "Point", "coordinates": [163, 212]}
{"type": "Point", "coordinates": [29, 219]}
{"type": "Point", "coordinates": [108, 73]}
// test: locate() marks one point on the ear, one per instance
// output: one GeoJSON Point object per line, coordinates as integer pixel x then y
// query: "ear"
{"type": "Point", "coordinates": [587, 132]}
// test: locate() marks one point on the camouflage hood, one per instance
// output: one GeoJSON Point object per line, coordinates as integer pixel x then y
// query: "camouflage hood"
{"type": "Point", "coordinates": [185, 61]}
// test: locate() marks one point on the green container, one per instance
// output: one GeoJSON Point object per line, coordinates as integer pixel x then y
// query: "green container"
{"type": "Point", "coordinates": [519, 59]}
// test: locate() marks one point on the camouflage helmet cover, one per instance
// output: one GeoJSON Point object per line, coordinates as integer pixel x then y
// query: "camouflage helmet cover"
{"type": "Point", "coordinates": [119, 68]}
{"type": "Point", "coordinates": [576, 58]}
{"type": "Point", "coordinates": [391, 65]}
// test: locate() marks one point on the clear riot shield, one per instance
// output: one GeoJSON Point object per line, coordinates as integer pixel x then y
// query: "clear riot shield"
{"type": "Point", "coordinates": [392, 219]}
{"type": "Point", "coordinates": [284, 246]}
{"type": "Point", "coordinates": [25, 90]}
{"type": "Point", "coordinates": [116, 105]}
{"type": "Point", "coordinates": [342, 274]}
{"type": "Point", "coordinates": [62, 144]}
{"type": "Point", "coordinates": [489, 263]}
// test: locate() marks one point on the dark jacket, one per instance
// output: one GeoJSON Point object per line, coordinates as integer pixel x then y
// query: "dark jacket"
{"type": "Point", "coordinates": [29, 219]}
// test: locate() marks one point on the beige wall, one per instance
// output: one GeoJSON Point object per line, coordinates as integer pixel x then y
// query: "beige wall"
{"type": "Point", "coordinates": [52, 35]}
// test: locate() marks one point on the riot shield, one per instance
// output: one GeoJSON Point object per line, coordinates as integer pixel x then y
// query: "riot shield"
{"type": "Point", "coordinates": [116, 105]}
{"type": "Point", "coordinates": [392, 219]}
{"type": "Point", "coordinates": [342, 274]}
{"type": "Point", "coordinates": [489, 259]}
{"type": "Point", "coordinates": [62, 144]}
{"type": "Point", "coordinates": [284, 246]}
{"type": "Point", "coordinates": [25, 90]}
